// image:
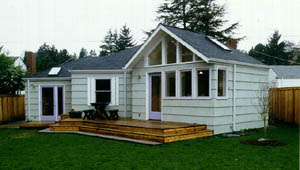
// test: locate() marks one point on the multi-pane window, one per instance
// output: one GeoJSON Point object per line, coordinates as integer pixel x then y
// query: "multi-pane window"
{"type": "Point", "coordinates": [222, 86]}
{"type": "Point", "coordinates": [155, 57]}
{"type": "Point", "coordinates": [186, 54]}
{"type": "Point", "coordinates": [171, 50]}
{"type": "Point", "coordinates": [186, 83]}
{"type": "Point", "coordinates": [203, 82]}
{"type": "Point", "coordinates": [171, 84]}
{"type": "Point", "coordinates": [103, 90]}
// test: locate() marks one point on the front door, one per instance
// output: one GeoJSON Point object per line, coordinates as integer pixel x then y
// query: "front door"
{"type": "Point", "coordinates": [155, 96]}
{"type": "Point", "coordinates": [52, 102]}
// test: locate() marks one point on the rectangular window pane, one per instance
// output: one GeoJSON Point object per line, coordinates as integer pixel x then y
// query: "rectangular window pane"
{"type": "Point", "coordinates": [203, 82]}
{"type": "Point", "coordinates": [155, 57]}
{"type": "Point", "coordinates": [60, 100]}
{"type": "Point", "coordinates": [47, 101]}
{"type": "Point", "coordinates": [170, 84]}
{"type": "Point", "coordinates": [186, 83]}
{"type": "Point", "coordinates": [187, 55]}
{"type": "Point", "coordinates": [221, 83]}
{"type": "Point", "coordinates": [102, 84]}
{"type": "Point", "coordinates": [103, 97]}
{"type": "Point", "coordinates": [171, 50]}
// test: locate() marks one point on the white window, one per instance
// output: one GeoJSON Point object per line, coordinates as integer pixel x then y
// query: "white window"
{"type": "Point", "coordinates": [171, 84]}
{"type": "Point", "coordinates": [155, 57]}
{"type": "Point", "coordinates": [203, 82]}
{"type": "Point", "coordinates": [103, 90]}
{"type": "Point", "coordinates": [171, 50]}
{"type": "Point", "coordinates": [186, 83]}
{"type": "Point", "coordinates": [186, 54]}
{"type": "Point", "coordinates": [222, 82]}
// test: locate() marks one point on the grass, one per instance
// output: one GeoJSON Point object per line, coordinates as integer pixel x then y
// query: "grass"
{"type": "Point", "coordinates": [28, 149]}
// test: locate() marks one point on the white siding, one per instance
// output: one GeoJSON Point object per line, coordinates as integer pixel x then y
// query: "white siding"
{"type": "Point", "coordinates": [35, 96]}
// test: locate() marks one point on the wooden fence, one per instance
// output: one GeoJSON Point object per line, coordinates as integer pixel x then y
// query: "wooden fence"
{"type": "Point", "coordinates": [12, 107]}
{"type": "Point", "coordinates": [285, 104]}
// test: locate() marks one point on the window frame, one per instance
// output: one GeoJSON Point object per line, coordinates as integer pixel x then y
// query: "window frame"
{"type": "Point", "coordinates": [180, 83]}
{"type": "Point", "coordinates": [147, 64]}
{"type": "Point", "coordinates": [105, 91]}
{"type": "Point", "coordinates": [226, 82]}
{"type": "Point", "coordinates": [165, 85]}
{"type": "Point", "coordinates": [209, 83]}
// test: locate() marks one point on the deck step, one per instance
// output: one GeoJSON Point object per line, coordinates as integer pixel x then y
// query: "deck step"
{"type": "Point", "coordinates": [158, 133]}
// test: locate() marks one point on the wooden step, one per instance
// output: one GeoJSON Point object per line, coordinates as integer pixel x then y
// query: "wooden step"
{"type": "Point", "coordinates": [58, 127]}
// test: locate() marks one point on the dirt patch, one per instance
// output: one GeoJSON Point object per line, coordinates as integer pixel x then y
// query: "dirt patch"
{"type": "Point", "coordinates": [263, 143]}
{"type": "Point", "coordinates": [22, 136]}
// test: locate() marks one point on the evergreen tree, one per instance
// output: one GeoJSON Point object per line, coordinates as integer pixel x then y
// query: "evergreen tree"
{"type": "Point", "coordinates": [109, 43]}
{"type": "Point", "coordinates": [93, 53]}
{"type": "Point", "coordinates": [49, 56]}
{"type": "Point", "coordinates": [83, 53]}
{"type": "Point", "coordinates": [125, 39]}
{"type": "Point", "coordinates": [197, 15]}
{"type": "Point", "coordinates": [274, 52]}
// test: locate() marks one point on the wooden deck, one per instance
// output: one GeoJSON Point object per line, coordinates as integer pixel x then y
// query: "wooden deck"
{"type": "Point", "coordinates": [36, 125]}
{"type": "Point", "coordinates": [157, 131]}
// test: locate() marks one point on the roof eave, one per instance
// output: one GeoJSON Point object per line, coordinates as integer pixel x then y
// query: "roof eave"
{"type": "Point", "coordinates": [212, 60]}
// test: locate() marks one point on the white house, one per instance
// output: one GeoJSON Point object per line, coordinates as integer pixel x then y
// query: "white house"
{"type": "Point", "coordinates": [19, 62]}
{"type": "Point", "coordinates": [285, 76]}
{"type": "Point", "coordinates": [176, 75]}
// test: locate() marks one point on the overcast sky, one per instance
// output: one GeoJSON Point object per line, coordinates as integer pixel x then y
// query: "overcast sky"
{"type": "Point", "coordinates": [73, 24]}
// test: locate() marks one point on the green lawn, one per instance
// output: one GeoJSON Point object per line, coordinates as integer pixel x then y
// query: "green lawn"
{"type": "Point", "coordinates": [27, 149]}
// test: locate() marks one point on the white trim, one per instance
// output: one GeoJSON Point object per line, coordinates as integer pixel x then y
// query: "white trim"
{"type": "Point", "coordinates": [161, 27]}
{"type": "Point", "coordinates": [209, 83]}
{"type": "Point", "coordinates": [147, 97]}
{"type": "Point", "coordinates": [172, 64]}
{"type": "Point", "coordinates": [151, 50]}
{"type": "Point", "coordinates": [142, 47]}
{"type": "Point", "coordinates": [226, 81]}
{"type": "Point", "coordinates": [125, 92]}
{"type": "Point", "coordinates": [164, 51]}
{"type": "Point", "coordinates": [28, 100]}
{"type": "Point", "coordinates": [234, 99]}
{"type": "Point", "coordinates": [98, 71]}
{"type": "Point", "coordinates": [180, 82]}
{"type": "Point", "coordinates": [89, 91]}
{"type": "Point", "coordinates": [53, 78]}
{"type": "Point", "coordinates": [203, 57]}
{"type": "Point", "coordinates": [213, 60]}
{"type": "Point", "coordinates": [164, 85]}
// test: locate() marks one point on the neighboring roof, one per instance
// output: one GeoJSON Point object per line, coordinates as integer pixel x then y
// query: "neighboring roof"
{"type": "Point", "coordinates": [111, 62]}
{"type": "Point", "coordinates": [202, 44]}
{"type": "Point", "coordinates": [287, 72]}
{"type": "Point", "coordinates": [14, 58]}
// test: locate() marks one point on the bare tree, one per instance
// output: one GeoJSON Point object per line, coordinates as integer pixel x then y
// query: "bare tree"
{"type": "Point", "coordinates": [263, 104]}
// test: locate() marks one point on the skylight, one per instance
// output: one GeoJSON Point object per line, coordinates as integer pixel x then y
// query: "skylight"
{"type": "Point", "coordinates": [218, 43]}
{"type": "Point", "coordinates": [54, 71]}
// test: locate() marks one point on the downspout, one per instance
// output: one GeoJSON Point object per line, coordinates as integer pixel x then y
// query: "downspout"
{"type": "Point", "coordinates": [233, 99]}
{"type": "Point", "coordinates": [125, 92]}
{"type": "Point", "coordinates": [28, 100]}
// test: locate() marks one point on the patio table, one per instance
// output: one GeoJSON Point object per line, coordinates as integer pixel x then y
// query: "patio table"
{"type": "Point", "coordinates": [100, 110]}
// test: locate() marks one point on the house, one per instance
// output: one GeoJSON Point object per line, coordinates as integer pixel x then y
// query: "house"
{"type": "Point", "coordinates": [285, 76]}
{"type": "Point", "coordinates": [19, 62]}
{"type": "Point", "coordinates": [176, 75]}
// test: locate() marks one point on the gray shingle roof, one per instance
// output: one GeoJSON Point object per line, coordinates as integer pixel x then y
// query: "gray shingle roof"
{"type": "Point", "coordinates": [210, 49]}
{"type": "Point", "coordinates": [287, 72]}
{"type": "Point", "coordinates": [111, 62]}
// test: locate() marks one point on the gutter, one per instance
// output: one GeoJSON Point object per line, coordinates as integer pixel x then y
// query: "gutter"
{"type": "Point", "coordinates": [239, 63]}
{"type": "Point", "coordinates": [48, 78]}
{"type": "Point", "coordinates": [98, 71]}
{"type": "Point", "coordinates": [233, 99]}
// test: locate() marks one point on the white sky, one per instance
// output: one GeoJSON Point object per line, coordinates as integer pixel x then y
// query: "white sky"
{"type": "Point", "coordinates": [73, 24]}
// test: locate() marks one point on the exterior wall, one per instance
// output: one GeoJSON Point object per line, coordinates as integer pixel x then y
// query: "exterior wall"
{"type": "Point", "coordinates": [20, 63]}
{"type": "Point", "coordinates": [190, 110]}
{"type": "Point", "coordinates": [80, 92]}
{"type": "Point", "coordinates": [216, 113]}
{"type": "Point", "coordinates": [35, 96]}
{"type": "Point", "coordinates": [248, 84]}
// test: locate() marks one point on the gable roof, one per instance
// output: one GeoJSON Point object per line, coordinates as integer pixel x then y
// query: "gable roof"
{"type": "Point", "coordinates": [110, 62]}
{"type": "Point", "coordinates": [202, 46]}
{"type": "Point", "coordinates": [287, 72]}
